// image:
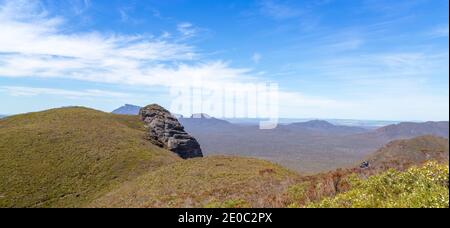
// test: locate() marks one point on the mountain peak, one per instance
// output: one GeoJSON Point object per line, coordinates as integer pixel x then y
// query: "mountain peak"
{"type": "Point", "coordinates": [318, 123]}
{"type": "Point", "coordinates": [201, 116]}
{"type": "Point", "coordinates": [127, 109]}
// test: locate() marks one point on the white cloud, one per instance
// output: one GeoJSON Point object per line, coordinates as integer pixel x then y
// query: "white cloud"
{"type": "Point", "coordinates": [36, 45]}
{"type": "Point", "coordinates": [35, 91]}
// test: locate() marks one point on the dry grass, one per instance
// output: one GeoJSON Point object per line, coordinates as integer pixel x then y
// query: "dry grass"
{"type": "Point", "coordinates": [206, 182]}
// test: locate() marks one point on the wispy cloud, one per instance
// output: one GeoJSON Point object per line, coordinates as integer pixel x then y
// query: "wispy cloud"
{"type": "Point", "coordinates": [123, 15]}
{"type": "Point", "coordinates": [80, 6]}
{"type": "Point", "coordinates": [391, 7]}
{"type": "Point", "coordinates": [126, 14]}
{"type": "Point", "coordinates": [187, 30]}
{"type": "Point", "coordinates": [279, 10]}
{"type": "Point", "coordinates": [36, 45]}
{"type": "Point", "coordinates": [73, 94]}
{"type": "Point", "coordinates": [256, 58]}
{"type": "Point", "coordinates": [439, 31]}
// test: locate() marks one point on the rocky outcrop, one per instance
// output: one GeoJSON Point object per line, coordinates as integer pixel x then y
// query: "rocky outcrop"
{"type": "Point", "coordinates": [164, 130]}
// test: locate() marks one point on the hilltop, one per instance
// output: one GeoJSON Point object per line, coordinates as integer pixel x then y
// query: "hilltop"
{"type": "Point", "coordinates": [404, 153]}
{"type": "Point", "coordinates": [410, 130]}
{"type": "Point", "coordinates": [65, 157]}
{"type": "Point", "coordinates": [69, 157]}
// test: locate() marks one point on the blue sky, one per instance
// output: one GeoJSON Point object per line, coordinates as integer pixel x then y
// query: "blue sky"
{"type": "Point", "coordinates": [348, 59]}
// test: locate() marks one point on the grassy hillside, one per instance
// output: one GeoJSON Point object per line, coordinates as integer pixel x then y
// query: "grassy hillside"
{"type": "Point", "coordinates": [401, 154]}
{"type": "Point", "coordinates": [78, 157]}
{"type": "Point", "coordinates": [398, 155]}
{"type": "Point", "coordinates": [423, 187]}
{"type": "Point", "coordinates": [206, 182]}
{"type": "Point", "coordinates": [66, 157]}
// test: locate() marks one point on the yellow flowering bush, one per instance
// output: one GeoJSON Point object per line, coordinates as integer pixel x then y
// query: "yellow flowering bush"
{"type": "Point", "coordinates": [419, 187]}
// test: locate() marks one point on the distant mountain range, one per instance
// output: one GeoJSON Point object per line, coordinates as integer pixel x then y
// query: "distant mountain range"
{"type": "Point", "coordinates": [370, 124]}
{"type": "Point", "coordinates": [130, 109]}
{"type": "Point", "coordinates": [2, 116]}
{"type": "Point", "coordinates": [203, 122]}
{"type": "Point", "coordinates": [311, 146]}
{"type": "Point", "coordinates": [324, 128]}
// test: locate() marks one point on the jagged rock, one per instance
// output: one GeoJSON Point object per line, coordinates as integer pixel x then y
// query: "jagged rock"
{"type": "Point", "coordinates": [164, 130]}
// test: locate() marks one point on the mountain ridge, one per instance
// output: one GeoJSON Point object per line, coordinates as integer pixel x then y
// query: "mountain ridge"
{"type": "Point", "coordinates": [324, 127]}
{"type": "Point", "coordinates": [407, 152]}
{"type": "Point", "coordinates": [411, 129]}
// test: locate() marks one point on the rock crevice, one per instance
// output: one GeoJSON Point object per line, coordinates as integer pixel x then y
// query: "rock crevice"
{"type": "Point", "coordinates": [164, 130]}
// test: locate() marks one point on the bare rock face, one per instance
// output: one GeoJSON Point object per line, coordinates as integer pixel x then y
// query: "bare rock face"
{"type": "Point", "coordinates": [164, 130]}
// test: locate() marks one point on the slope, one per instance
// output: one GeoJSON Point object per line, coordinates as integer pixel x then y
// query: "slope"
{"type": "Point", "coordinates": [401, 154]}
{"type": "Point", "coordinates": [216, 181]}
{"type": "Point", "coordinates": [65, 157]}
{"type": "Point", "coordinates": [419, 187]}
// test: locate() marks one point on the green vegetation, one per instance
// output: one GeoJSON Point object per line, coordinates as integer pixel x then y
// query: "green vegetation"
{"type": "Point", "coordinates": [66, 157]}
{"type": "Point", "coordinates": [423, 187]}
{"type": "Point", "coordinates": [206, 182]}
{"type": "Point", "coordinates": [78, 157]}
{"type": "Point", "coordinates": [297, 194]}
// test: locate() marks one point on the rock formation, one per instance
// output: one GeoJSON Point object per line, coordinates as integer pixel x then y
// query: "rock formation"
{"type": "Point", "coordinates": [164, 130]}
